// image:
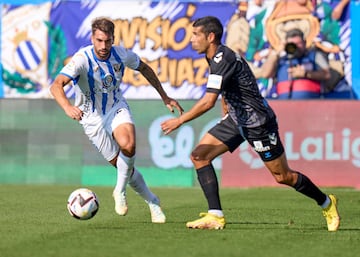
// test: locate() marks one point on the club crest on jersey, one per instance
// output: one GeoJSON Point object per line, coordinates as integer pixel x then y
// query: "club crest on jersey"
{"type": "Point", "coordinates": [108, 80]}
{"type": "Point", "coordinates": [218, 57]}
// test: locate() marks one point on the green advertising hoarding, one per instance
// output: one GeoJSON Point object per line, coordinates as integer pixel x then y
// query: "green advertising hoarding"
{"type": "Point", "coordinates": [39, 144]}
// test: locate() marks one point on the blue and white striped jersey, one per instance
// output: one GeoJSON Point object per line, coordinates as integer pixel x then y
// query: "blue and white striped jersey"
{"type": "Point", "coordinates": [97, 82]}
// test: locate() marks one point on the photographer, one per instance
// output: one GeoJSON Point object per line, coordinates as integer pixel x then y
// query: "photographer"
{"type": "Point", "coordinates": [298, 71]}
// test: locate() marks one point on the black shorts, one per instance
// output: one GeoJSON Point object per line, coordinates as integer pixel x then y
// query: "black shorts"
{"type": "Point", "coordinates": [264, 139]}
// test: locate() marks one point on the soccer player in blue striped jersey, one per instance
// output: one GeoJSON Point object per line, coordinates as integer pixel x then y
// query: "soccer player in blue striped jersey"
{"type": "Point", "coordinates": [96, 72]}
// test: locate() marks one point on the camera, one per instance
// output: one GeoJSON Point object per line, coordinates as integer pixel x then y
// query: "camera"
{"type": "Point", "coordinates": [290, 48]}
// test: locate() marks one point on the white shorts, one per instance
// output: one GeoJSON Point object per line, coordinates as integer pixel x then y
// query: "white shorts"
{"type": "Point", "coordinates": [99, 128]}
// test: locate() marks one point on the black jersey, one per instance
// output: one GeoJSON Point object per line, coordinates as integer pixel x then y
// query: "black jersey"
{"type": "Point", "coordinates": [231, 76]}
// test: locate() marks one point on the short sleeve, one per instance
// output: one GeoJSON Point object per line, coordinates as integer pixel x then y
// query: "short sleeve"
{"type": "Point", "coordinates": [77, 64]}
{"type": "Point", "coordinates": [133, 60]}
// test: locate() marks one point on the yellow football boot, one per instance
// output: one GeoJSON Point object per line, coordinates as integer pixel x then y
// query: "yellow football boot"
{"type": "Point", "coordinates": [208, 221]}
{"type": "Point", "coordinates": [331, 214]}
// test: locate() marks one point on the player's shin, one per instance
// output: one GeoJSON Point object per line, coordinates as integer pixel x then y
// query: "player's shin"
{"type": "Point", "coordinates": [209, 184]}
{"type": "Point", "coordinates": [124, 166]}
{"type": "Point", "coordinates": [305, 186]}
{"type": "Point", "coordinates": [138, 184]}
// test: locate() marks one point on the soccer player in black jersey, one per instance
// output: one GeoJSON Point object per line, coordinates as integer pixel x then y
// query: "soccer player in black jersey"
{"type": "Point", "coordinates": [248, 116]}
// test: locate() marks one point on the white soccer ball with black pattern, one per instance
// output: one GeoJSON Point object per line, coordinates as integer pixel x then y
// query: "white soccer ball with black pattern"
{"type": "Point", "coordinates": [83, 204]}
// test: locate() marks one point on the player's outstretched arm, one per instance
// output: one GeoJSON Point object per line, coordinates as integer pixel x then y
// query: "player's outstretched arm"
{"type": "Point", "coordinates": [150, 75]}
{"type": "Point", "coordinates": [203, 105]}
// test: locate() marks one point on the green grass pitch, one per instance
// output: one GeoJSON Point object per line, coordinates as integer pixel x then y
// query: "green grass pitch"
{"type": "Point", "coordinates": [261, 222]}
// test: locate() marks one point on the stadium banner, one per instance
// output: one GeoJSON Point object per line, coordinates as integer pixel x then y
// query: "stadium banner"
{"type": "Point", "coordinates": [321, 139]}
{"type": "Point", "coordinates": [37, 39]}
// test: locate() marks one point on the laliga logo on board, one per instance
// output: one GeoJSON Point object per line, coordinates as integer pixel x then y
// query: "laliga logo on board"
{"type": "Point", "coordinates": [174, 151]}
{"type": "Point", "coordinates": [327, 147]}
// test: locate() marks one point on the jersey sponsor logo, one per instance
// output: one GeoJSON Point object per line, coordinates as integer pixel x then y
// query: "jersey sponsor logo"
{"type": "Point", "coordinates": [214, 81]}
{"type": "Point", "coordinates": [218, 57]}
{"type": "Point", "coordinates": [259, 147]}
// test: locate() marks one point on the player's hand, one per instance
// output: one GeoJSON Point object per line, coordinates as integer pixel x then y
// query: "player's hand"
{"type": "Point", "coordinates": [170, 103]}
{"type": "Point", "coordinates": [73, 112]}
{"type": "Point", "coordinates": [170, 125]}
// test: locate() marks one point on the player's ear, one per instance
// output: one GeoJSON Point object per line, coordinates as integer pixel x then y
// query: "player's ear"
{"type": "Point", "coordinates": [211, 37]}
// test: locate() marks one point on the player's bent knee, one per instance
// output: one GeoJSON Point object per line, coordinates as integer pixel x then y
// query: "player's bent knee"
{"type": "Point", "coordinates": [198, 160]}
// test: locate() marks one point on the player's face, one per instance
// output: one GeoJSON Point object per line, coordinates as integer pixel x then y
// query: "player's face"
{"type": "Point", "coordinates": [199, 40]}
{"type": "Point", "coordinates": [102, 44]}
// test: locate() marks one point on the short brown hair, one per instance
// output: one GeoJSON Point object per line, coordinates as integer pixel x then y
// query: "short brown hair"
{"type": "Point", "coordinates": [104, 24]}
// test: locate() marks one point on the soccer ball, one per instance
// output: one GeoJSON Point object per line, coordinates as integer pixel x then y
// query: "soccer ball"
{"type": "Point", "coordinates": [83, 204]}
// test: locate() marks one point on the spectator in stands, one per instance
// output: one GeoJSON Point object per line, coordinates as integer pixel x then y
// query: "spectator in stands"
{"type": "Point", "coordinates": [298, 71]}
